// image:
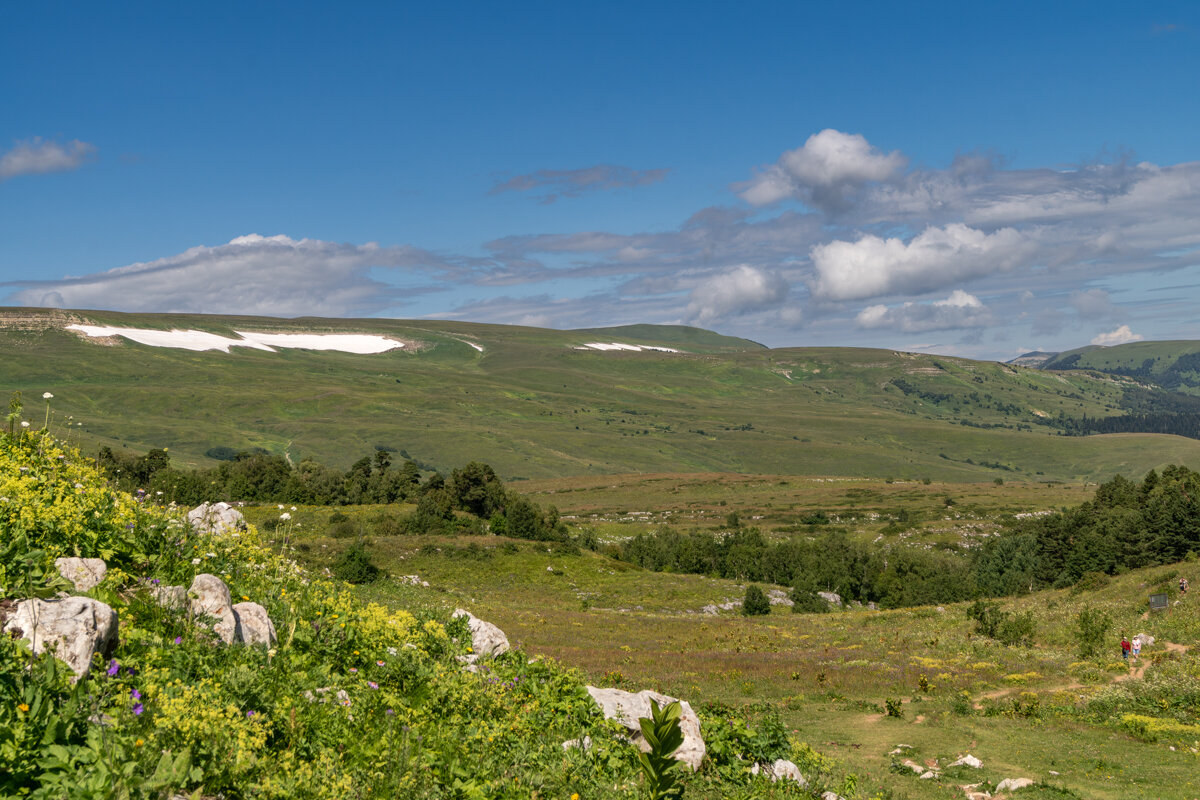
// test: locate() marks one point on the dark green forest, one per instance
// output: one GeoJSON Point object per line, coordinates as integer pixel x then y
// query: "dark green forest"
{"type": "Point", "coordinates": [1125, 526]}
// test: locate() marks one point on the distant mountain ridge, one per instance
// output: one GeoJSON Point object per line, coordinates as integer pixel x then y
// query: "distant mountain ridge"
{"type": "Point", "coordinates": [538, 403]}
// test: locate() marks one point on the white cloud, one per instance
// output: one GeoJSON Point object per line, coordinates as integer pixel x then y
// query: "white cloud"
{"type": "Point", "coordinates": [959, 310]}
{"type": "Point", "coordinates": [274, 275]}
{"type": "Point", "coordinates": [1094, 304]}
{"type": "Point", "coordinates": [36, 157]}
{"type": "Point", "coordinates": [1121, 335]}
{"type": "Point", "coordinates": [826, 172]}
{"type": "Point", "coordinates": [740, 290]}
{"type": "Point", "coordinates": [873, 267]}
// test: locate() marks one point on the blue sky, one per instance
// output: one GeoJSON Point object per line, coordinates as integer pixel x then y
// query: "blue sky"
{"type": "Point", "coordinates": [977, 179]}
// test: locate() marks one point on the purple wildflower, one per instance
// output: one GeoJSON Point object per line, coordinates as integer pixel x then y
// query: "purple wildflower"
{"type": "Point", "coordinates": [249, 715]}
{"type": "Point", "coordinates": [138, 708]}
{"type": "Point", "coordinates": [354, 670]}
{"type": "Point", "coordinates": [113, 668]}
{"type": "Point", "coordinates": [135, 694]}
{"type": "Point", "coordinates": [390, 713]}
{"type": "Point", "coordinates": [178, 640]}
{"type": "Point", "coordinates": [373, 684]}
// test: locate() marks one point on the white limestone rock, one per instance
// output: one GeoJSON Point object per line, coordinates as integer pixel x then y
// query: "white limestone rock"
{"type": "Point", "coordinates": [1012, 784]}
{"type": "Point", "coordinates": [968, 761]}
{"type": "Point", "coordinates": [210, 598]}
{"type": "Point", "coordinates": [216, 518]}
{"type": "Point", "coordinates": [73, 628]}
{"type": "Point", "coordinates": [629, 707]}
{"type": "Point", "coordinates": [780, 770]}
{"type": "Point", "coordinates": [84, 573]}
{"type": "Point", "coordinates": [486, 638]}
{"type": "Point", "coordinates": [255, 626]}
{"type": "Point", "coordinates": [833, 598]}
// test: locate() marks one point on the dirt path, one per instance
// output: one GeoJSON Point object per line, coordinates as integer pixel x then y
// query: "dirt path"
{"type": "Point", "coordinates": [1134, 672]}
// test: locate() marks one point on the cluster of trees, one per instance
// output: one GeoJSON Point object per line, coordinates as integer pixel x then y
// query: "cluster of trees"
{"type": "Point", "coordinates": [891, 577]}
{"type": "Point", "coordinates": [471, 495]}
{"type": "Point", "coordinates": [1126, 525]}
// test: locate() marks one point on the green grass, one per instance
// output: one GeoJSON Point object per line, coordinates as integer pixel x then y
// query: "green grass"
{"type": "Point", "coordinates": [534, 407]}
{"type": "Point", "coordinates": [830, 674]}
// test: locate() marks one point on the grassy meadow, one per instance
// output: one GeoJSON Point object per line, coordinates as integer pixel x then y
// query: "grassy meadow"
{"type": "Point", "coordinates": [1038, 711]}
{"type": "Point", "coordinates": [533, 405]}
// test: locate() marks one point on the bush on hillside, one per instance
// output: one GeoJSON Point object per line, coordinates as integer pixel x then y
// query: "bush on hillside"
{"type": "Point", "coordinates": [755, 602]}
{"type": "Point", "coordinates": [1091, 631]}
{"type": "Point", "coordinates": [354, 565]}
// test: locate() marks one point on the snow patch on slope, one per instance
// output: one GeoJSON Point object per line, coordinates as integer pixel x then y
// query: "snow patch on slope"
{"type": "Point", "coordinates": [360, 343]}
{"type": "Point", "coordinates": [619, 346]}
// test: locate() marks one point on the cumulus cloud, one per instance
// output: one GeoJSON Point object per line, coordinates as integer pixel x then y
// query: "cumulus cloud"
{"type": "Point", "coordinates": [1094, 304]}
{"type": "Point", "coordinates": [36, 156]}
{"type": "Point", "coordinates": [826, 172]}
{"type": "Point", "coordinates": [959, 310]}
{"type": "Point", "coordinates": [274, 275]}
{"type": "Point", "coordinates": [871, 266]}
{"type": "Point", "coordinates": [553, 184]}
{"type": "Point", "coordinates": [1121, 335]}
{"type": "Point", "coordinates": [740, 290]}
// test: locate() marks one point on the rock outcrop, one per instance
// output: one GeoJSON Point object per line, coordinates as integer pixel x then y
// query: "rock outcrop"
{"type": "Point", "coordinates": [1012, 784]}
{"type": "Point", "coordinates": [780, 770]}
{"type": "Point", "coordinates": [83, 573]}
{"type": "Point", "coordinates": [73, 628]}
{"type": "Point", "coordinates": [255, 626]}
{"type": "Point", "coordinates": [486, 638]}
{"type": "Point", "coordinates": [216, 518]}
{"type": "Point", "coordinates": [210, 598]}
{"type": "Point", "coordinates": [628, 708]}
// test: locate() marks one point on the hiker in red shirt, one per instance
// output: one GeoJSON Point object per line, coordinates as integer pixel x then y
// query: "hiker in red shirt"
{"type": "Point", "coordinates": [1125, 647]}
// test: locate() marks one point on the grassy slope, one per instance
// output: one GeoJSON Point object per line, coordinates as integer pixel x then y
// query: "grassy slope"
{"type": "Point", "coordinates": [830, 673]}
{"type": "Point", "coordinates": [533, 406]}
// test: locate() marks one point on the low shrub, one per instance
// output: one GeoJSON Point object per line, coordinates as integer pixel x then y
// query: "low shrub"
{"type": "Point", "coordinates": [755, 602]}
{"type": "Point", "coordinates": [354, 565]}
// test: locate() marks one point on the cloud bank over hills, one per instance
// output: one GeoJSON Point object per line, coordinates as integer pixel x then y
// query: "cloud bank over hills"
{"type": "Point", "coordinates": [839, 241]}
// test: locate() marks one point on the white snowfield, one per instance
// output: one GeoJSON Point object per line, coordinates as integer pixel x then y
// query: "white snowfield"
{"type": "Point", "coordinates": [619, 346]}
{"type": "Point", "coordinates": [360, 343]}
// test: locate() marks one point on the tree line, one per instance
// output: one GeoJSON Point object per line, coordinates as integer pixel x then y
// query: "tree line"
{"type": "Point", "coordinates": [472, 499]}
{"type": "Point", "coordinates": [1125, 526]}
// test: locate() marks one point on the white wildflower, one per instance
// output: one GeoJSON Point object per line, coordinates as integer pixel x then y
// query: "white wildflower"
{"type": "Point", "coordinates": [285, 515]}
{"type": "Point", "coordinates": [47, 396]}
{"type": "Point", "coordinates": [195, 561]}
{"type": "Point", "coordinates": [24, 423]}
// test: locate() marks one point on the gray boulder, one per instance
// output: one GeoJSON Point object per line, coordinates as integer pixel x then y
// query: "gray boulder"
{"type": "Point", "coordinates": [84, 573]}
{"type": "Point", "coordinates": [628, 708]}
{"type": "Point", "coordinates": [255, 626]}
{"type": "Point", "coordinates": [210, 598]}
{"type": "Point", "coordinates": [73, 628]}
{"type": "Point", "coordinates": [486, 638]}
{"type": "Point", "coordinates": [833, 598]}
{"type": "Point", "coordinates": [216, 518]}
{"type": "Point", "coordinates": [1012, 784]}
{"type": "Point", "coordinates": [780, 770]}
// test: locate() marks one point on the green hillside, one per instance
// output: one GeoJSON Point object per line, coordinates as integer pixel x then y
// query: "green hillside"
{"type": "Point", "coordinates": [1170, 364]}
{"type": "Point", "coordinates": [534, 404]}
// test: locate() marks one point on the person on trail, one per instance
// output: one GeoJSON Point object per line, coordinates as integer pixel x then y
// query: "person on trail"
{"type": "Point", "coordinates": [1136, 650]}
{"type": "Point", "coordinates": [1125, 647]}
{"type": "Point", "coordinates": [1183, 585]}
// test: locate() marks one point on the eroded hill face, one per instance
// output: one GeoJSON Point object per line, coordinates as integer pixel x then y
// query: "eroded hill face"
{"type": "Point", "coordinates": [543, 403]}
